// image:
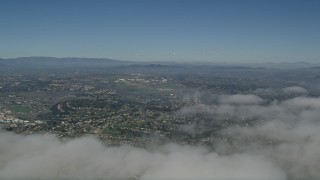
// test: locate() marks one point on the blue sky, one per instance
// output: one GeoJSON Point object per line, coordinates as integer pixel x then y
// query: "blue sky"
{"type": "Point", "coordinates": [163, 30]}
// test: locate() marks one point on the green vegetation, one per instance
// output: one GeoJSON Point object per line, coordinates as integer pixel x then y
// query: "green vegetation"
{"type": "Point", "coordinates": [111, 131]}
{"type": "Point", "coordinates": [134, 124]}
{"type": "Point", "coordinates": [173, 86]}
{"type": "Point", "coordinates": [20, 109]}
{"type": "Point", "coordinates": [139, 123]}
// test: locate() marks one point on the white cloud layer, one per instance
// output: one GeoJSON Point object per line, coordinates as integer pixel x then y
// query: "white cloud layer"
{"type": "Point", "coordinates": [295, 90]}
{"type": "Point", "coordinates": [283, 144]}
{"type": "Point", "coordinates": [46, 157]}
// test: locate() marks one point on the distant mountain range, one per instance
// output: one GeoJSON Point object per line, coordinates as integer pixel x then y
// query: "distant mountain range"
{"type": "Point", "coordinates": [64, 62]}
{"type": "Point", "coordinates": [52, 62]}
